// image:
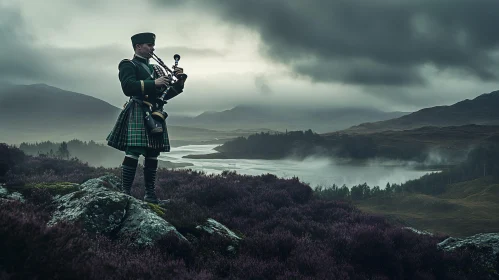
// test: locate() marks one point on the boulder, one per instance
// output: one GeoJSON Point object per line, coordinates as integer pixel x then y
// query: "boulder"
{"type": "Point", "coordinates": [3, 191]}
{"type": "Point", "coordinates": [212, 227]}
{"type": "Point", "coordinates": [101, 208]}
{"type": "Point", "coordinates": [5, 194]}
{"type": "Point", "coordinates": [484, 248]}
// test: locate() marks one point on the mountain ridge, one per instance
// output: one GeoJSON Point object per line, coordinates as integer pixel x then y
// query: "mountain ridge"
{"type": "Point", "coordinates": [37, 99]}
{"type": "Point", "coordinates": [481, 110]}
{"type": "Point", "coordinates": [281, 118]}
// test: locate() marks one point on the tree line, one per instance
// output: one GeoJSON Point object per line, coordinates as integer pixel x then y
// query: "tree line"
{"type": "Point", "coordinates": [273, 145]}
{"type": "Point", "coordinates": [91, 151]}
{"type": "Point", "coordinates": [47, 149]}
{"type": "Point", "coordinates": [301, 144]}
{"type": "Point", "coordinates": [481, 162]}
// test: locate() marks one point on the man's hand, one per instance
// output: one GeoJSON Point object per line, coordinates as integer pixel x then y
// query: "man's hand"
{"type": "Point", "coordinates": [161, 82]}
{"type": "Point", "coordinates": [177, 71]}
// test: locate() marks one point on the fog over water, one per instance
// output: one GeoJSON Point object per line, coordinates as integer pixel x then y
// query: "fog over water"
{"type": "Point", "coordinates": [313, 170]}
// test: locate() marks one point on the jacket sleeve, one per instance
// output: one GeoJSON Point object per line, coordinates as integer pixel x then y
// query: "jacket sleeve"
{"type": "Point", "coordinates": [176, 89]}
{"type": "Point", "coordinates": [129, 83]}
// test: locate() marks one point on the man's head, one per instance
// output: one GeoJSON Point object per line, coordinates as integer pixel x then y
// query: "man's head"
{"type": "Point", "coordinates": [143, 44]}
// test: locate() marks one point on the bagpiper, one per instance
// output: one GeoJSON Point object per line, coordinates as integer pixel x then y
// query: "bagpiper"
{"type": "Point", "coordinates": [145, 84]}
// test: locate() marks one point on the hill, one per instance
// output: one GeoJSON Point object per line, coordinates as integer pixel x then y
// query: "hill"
{"type": "Point", "coordinates": [287, 232]}
{"type": "Point", "coordinates": [39, 103]}
{"type": "Point", "coordinates": [39, 112]}
{"type": "Point", "coordinates": [466, 208]}
{"type": "Point", "coordinates": [458, 200]}
{"type": "Point", "coordinates": [481, 110]}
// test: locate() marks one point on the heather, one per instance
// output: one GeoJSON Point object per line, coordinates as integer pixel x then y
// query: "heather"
{"type": "Point", "coordinates": [288, 232]}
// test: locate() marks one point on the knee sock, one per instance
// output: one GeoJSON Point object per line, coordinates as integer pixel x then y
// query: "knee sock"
{"type": "Point", "coordinates": [151, 163]}
{"type": "Point", "coordinates": [128, 169]}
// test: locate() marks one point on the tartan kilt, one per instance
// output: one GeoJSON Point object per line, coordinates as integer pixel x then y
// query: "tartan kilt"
{"type": "Point", "coordinates": [130, 130]}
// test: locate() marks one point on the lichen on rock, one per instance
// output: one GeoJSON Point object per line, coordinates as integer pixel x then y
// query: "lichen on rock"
{"type": "Point", "coordinates": [213, 227]}
{"type": "Point", "coordinates": [146, 225]}
{"type": "Point", "coordinates": [485, 248]}
{"type": "Point", "coordinates": [6, 194]}
{"type": "Point", "coordinates": [101, 208]}
{"type": "Point", "coordinates": [98, 210]}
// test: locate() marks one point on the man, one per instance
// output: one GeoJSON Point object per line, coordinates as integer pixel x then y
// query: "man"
{"type": "Point", "coordinates": [144, 86]}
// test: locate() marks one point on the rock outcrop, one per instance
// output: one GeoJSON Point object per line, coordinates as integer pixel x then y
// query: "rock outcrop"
{"type": "Point", "coordinates": [484, 248]}
{"type": "Point", "coordinates": [5, 194]}
{"type": "Point", "coordinates": [100, 207]}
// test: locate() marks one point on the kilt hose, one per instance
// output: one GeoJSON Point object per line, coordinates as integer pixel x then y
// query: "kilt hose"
{"type": "Point", "coordinates": [130, 131]}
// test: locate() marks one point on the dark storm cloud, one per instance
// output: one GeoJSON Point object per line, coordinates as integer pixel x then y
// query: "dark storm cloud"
{"type": "Point", "coordinates": [194, 52]}
{"type": "Point", "coordinates": [372, 42]}
{"type": "Point", "coordinates": [18, 59]}
{"type": "Point", "coordinates": [358, 71]}
{"type": "Point", "coordinates": [22, 62]}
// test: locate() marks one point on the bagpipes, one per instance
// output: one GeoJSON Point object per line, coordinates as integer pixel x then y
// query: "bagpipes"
{"type": "Point", "coordinates": [155, 117]}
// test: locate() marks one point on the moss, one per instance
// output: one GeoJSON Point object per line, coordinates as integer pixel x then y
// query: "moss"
{"type": "Point", "coordinates": [59, 188]}
{"type": "Point", "coordinates": [157, 209]}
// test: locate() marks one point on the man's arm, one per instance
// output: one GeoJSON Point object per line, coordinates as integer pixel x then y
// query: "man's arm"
{"type": "Point", "coordinates": [177, 87]}
{"type": "Point", "coordinates": [129, 83]}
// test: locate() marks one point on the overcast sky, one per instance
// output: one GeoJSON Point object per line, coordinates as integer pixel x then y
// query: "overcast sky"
{"type": "Point", "coordinates": [393, 55]}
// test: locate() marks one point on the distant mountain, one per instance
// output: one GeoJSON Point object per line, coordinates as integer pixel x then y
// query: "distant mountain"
{"type": "Point", "coordinates": [482, 110]}
{"type": "Point", "coordinates": [39, 103]}
{"type": "Point", "coordinates": [39, 112]}
{"type": "Point", "coordinates": [281, 119]}
{"type": "Point", "coordinates": [42, 112]}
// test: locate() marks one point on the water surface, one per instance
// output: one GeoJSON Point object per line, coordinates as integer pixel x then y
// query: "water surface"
{"type": "Point", "coordinates": [313, 170]}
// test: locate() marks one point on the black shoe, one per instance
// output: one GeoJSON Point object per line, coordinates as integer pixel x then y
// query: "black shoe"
{"type": "Point", "coordinates": [150, 180]}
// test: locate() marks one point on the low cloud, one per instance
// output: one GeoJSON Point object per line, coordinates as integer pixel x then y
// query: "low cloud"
{"type": "Point", "coordinates": [262, 85]}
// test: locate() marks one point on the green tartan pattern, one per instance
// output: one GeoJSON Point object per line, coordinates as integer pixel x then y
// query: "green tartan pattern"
{"type": "Point", "coordinates": [129, 131]}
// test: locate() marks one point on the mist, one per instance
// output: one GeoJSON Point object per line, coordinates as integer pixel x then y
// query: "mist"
{"type": "Point", "coordinates": [313, 170]}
